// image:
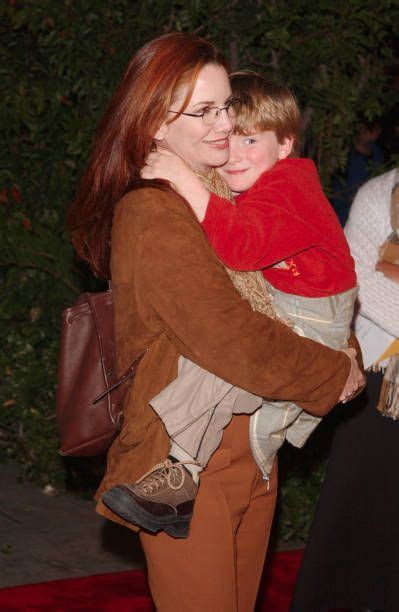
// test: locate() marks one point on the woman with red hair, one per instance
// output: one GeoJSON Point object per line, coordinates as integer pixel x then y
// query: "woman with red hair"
{"type": "Point", "coordinates": [174, 298]}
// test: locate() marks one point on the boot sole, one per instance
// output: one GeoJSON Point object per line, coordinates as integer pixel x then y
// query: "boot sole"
{"type": "Point", "coordinates": [122, 504]}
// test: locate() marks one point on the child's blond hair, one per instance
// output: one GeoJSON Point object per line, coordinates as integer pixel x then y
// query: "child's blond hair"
{"type": "Point", "coordinates": [266, 104]}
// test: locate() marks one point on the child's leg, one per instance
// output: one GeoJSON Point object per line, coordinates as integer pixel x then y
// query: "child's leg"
{"type": "Point", "coordinates": [177, 453]}
{"type": "Point", "coordinates": [186, 404]}
{"type": "Point", "coordinates": [163, 498]}
{"type": "Point", "coordinates": [301, 428]}
{"type": "Point", "coordinates": [269, 426]}
{"type": "Point", "coordinates": [236, 401]}
{"type": "Point", "coordinates": [195, 408]}
{"type": "Point", "coordinates": [326, 320]}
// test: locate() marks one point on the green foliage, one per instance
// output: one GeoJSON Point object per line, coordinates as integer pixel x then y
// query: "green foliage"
{"type": "Point", "coordinates": [61, 61]}
{"type": "Point", "coordinates": [298, 494]}
{"type": "Point", "coordinates": [301, 472]}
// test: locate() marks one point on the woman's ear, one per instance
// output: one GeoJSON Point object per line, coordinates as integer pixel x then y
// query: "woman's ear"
{"type": "Point", "coordinates": [161, 132]}
{"type": "Point", "coordinates": [285, 147]}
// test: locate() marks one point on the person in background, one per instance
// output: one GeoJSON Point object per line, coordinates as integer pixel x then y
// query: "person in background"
{"type": "Point", "coordinates": [173, 298]}
{"type": "Point", "coordinates": [351, 560]}
{"type": "Point", "coordinates": [364, 155]}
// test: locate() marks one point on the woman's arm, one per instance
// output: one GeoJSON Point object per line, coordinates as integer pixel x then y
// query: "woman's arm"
{"type": "Point", "coordinates": [180, 279]}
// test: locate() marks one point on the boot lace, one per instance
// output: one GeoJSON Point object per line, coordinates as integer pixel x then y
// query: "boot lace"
{"type": "Point", "coordinates": [167, 472]}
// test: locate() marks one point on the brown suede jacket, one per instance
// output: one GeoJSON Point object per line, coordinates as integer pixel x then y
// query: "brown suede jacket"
{"type": "Point", "coordinates": [173, 296]}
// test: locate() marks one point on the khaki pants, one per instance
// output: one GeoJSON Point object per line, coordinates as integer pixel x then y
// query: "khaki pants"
{"type": "Point", "coordinates": [219, 566]}
{"type": "Point", "coordinates": [195, 409]}
{"type": "Point", "coordinates": [197, 405]}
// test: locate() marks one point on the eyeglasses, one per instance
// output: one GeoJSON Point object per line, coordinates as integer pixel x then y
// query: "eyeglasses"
{"type": "Point", "coordinates": [210, 114]}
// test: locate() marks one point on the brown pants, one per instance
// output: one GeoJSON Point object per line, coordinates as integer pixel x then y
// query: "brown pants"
{"type": "Point", "coordinates": [219, 566]}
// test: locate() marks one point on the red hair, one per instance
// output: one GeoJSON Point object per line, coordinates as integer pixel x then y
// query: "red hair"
{"type": "Point", "coordinates": [124, 136]}
{"type": "Point", "coordinates": [266, 104]}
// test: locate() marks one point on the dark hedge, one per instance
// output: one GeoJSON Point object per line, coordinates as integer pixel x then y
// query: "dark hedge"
{"type": "Point", "coordinates": [60, 62]}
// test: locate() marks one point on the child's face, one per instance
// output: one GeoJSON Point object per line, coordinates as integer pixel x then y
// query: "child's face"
{"type": "Point", "coordinates": [250, 156]}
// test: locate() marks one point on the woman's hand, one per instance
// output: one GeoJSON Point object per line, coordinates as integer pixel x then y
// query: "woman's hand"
{"type": "Point", "coordinates": [163, 164]}
{"type": "Point", "coordinates": [356, 380]}
{"type": "Point", "coordinates": [390, 270]}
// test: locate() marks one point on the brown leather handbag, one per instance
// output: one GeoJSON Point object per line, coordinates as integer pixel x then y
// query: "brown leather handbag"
{"type": "Point", "coordinates": [89, 394]}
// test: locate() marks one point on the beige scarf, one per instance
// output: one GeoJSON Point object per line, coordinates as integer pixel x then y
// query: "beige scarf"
{"type": "Point", "coordinates": [250, 285]}
{"type": "Point", "coordinates": [388, 404]}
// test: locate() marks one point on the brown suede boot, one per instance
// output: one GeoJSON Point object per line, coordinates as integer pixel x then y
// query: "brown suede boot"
{"type": "Point", "coordinates": [162, 499]}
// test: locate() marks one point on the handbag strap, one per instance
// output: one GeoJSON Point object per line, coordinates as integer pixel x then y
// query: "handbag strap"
{"type": "Point", "coordinates": [129, 373]}
{"type": "Point", "coordinates": [131, 370]}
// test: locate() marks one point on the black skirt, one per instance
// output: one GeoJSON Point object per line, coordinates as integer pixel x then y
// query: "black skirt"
{"type": "Point", "coordinates": [352, 556]}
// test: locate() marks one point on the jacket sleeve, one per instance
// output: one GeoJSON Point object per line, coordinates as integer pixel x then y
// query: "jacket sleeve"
{"type": "Point", "coordinates": [259, 231]}
{"type": "Point", "coordinates": [184, 284]}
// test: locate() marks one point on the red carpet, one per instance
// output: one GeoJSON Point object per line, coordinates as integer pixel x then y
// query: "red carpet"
{"type": "Point", "coordinates": [128, 591]}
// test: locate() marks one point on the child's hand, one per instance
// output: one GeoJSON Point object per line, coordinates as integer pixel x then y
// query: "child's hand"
{"type": "Point", "coordinates": [163, 164]}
